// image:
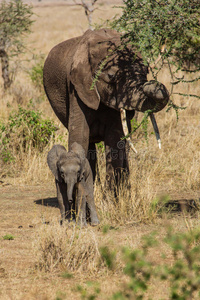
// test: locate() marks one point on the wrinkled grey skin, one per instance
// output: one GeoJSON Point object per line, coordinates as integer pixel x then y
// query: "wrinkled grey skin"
{"type": "Point", "coordinates": [73, 176]}
{"type": "Point", "coordinates": [93, 115]}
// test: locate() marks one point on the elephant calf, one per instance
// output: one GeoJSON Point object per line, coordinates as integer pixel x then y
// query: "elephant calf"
{"type": "Point", "coordinates": [74, 180]}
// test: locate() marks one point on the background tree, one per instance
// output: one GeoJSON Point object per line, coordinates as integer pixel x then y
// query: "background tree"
{"type": "Point", "coordinates": [167, 34]}
{"type": "Point", "coordinates": [15, 22]}
{"type": "Point", "coordinates": [88, 8]}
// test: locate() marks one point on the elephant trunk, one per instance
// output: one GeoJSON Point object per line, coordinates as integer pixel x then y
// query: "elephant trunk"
{"type": "Point", "coordinates": [70, 188]}
{"type": "Point", "coordinates": [157, 96]}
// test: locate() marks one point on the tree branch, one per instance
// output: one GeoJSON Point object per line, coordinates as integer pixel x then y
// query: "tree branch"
{"type": "Point", "coordinates": [89, 9]}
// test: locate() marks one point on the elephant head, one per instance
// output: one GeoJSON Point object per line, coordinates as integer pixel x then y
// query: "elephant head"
{"type": "Point", "coordinates": [121, 75]}
{"type": "Point", "coordinates": [69, 167]}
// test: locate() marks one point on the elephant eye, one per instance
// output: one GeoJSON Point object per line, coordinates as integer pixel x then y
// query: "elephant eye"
{"type": "Point", "coordinates": [111, 76]}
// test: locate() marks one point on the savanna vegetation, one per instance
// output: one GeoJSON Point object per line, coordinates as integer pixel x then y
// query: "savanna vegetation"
{"type": "Point", "coordinates": [121, 259]}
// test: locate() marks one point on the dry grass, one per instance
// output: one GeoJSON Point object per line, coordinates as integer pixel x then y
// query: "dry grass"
{"type": "Point", "coordinates": [67, 248]}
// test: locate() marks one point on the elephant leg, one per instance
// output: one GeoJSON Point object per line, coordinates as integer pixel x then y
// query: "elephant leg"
{"type": "Point", "coordinates": [85, 194]}
{"type": "Point", "coordinates": [78, 125]}
{"type": "Point", "coordinates": [115, 165]}
{"type": "Point", "coordinates": [63, 203]}
{"type": "Point", "coordinates": [126, 160]}
{"type": "Point", "coordinates": [116, 157]}
{"type": "Point", "coordinates": [92, 209]}
{"type": "Point", "coordinates": [81, 206]}
{"type": "Point", "coordinates": [130, 115]}
{"type": "Point", "coordinates": [92, 158]}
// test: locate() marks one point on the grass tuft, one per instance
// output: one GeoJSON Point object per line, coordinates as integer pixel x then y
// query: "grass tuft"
{"type": "Point", "coordinates": [67, 248]}
{"type": "Point", "coordinates": [8, 237]}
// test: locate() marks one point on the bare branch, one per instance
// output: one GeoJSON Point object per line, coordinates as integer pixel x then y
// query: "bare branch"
{"type": "Point", "coordinates": [89, 9]}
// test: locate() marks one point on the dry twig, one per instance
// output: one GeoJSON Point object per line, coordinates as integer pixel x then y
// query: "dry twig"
{"type": "Point", "coordinates": [89, 9]}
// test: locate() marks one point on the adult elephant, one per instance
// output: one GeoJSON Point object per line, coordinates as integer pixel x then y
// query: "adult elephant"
{"type": "Point", "coordinates": [119, 80]}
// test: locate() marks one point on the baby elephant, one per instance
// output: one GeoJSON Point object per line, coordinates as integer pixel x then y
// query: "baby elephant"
{"type": "Point", "coordinates": [74, 179]}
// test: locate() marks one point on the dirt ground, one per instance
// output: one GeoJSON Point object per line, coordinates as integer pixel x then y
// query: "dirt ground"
{"type": "Point", "coordinates": [24, 209]}
{"type": "Point", "coordinates": [20, 214]}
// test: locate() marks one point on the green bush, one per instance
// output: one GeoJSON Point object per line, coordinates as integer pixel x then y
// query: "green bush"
{"type": "Point", "coordinates": [174, 24]}
{"type": "Point", "coordinates": [25, 128]}
{"type": "Point", "coordinates": [8, 237]}
{"type": "Point", "coordinates": [36, 74]}
{"type": "Point", "coordinates": [167, 34]}
{"type": "Point", "coordinates": [181, 273]}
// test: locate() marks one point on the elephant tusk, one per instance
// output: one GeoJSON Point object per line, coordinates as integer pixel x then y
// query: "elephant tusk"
{"type": "Point", "coordinates": [125, 128]}
{"type": "Point", "coordinates": [155, 127]}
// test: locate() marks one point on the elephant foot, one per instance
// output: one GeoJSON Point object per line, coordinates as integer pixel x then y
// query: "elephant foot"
{"type": "Point", "coordinates": [95, 223]}
{"type": "Point", "coordinates": [81, 223]}
{"type": "Point", "coordinates": [67, 222]}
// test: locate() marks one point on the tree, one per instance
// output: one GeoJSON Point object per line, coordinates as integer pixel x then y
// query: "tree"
{"type": "Point", "coordinates": [89, 9]}
{"type": "Point", "coordinates": [15, 22]}
{"type": "Point", "coordinates": [164, 31]}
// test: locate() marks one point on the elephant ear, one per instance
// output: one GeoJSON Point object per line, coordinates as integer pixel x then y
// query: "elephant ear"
{"type": "Point", "coordinates": [53, 160]}
{"type": "Point", "coordinates": [91, 51]}
{"type": "Point", "coordinates": [79, 151]}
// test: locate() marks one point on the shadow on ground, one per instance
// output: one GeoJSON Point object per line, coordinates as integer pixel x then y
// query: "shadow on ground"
{"type": "Point", "coordinates": [189, 205]}
{"type": "Point", "coordinates": [52, 202]}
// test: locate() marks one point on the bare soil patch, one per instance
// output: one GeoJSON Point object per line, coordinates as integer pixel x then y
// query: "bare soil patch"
{"type": "Point", "coordinates": [24, 211]}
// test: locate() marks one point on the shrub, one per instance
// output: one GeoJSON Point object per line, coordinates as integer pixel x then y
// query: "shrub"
{"type": "Point", "coordinates": [166, 29]}
{"type": "Point", "coordinates": [25, 128]}
{"type": "Point", "coordinates": [8, 237]}
{"type": "Point", "coordinates": [181, 274]}
{"type": "Point", "coordinates": [36, 74]}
